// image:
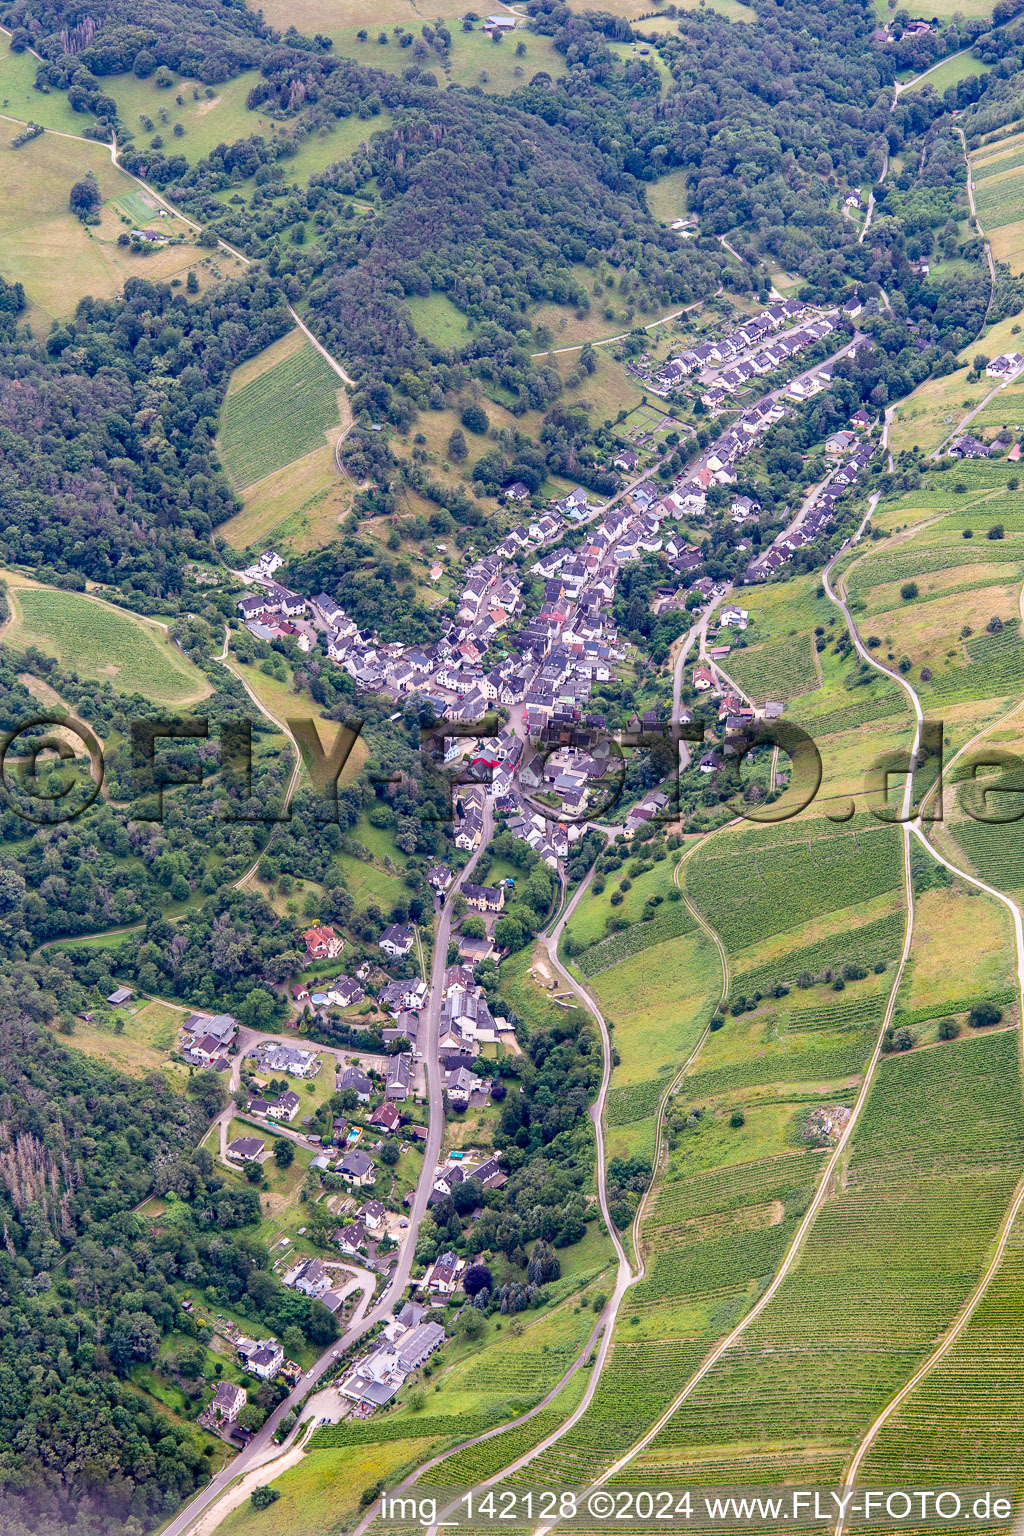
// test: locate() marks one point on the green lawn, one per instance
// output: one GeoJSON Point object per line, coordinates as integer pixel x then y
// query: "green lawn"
{"type": "Point", "coordinates": [20, 99]}
{"type": "Point", "coordinates": [220, 117]}
{"type": "Point", "coordinates": [951, 72]}
{"type": "Point", "coordinates": [436, 318]}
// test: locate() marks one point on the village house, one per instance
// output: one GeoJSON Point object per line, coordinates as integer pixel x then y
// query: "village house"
{"type": "Point", "coordinates": [396, 941]}
{"type": "Point", "coordinates": [343, 992]}
{"type": "Point", "coordinates": [309, 1277]}
{"type": "Point", "coordinates": [285, 1107]}
{"type": "Point", "coordinates": [246, 1149]}
{"type": "Point", "coordinates": [398, 1080]}
{"type": "Point", "coordinates": [483, 898]}
{"type": "Point", "coordinates": [287, 1058]}
{"type": "Point", "coordinates": [358, 1169]}
{"type": "Point", "coordinates": [387, 1118]}
{"type": "Point", "coordinates": [322, 943]}
{"type": "Point", "coordinates": [356, 1079]}
{"type": "Point", "coordinates": [351, 1238]}
{"type": "Point", "coordinates": [373, 1216]}
{"type": "Point", "coordinates": [264, 1357]}
{"type": "Point", "coordinates": [443, 1274]}
{"type": "Point", "coordinates": [222, 1412]}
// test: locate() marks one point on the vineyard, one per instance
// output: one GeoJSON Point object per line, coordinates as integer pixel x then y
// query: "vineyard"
{"type": "Point", "coordinates": [635, 1102]}
{"type": "Point", "coordinates": [902, 564]}
{"type": "Point", "coordinates": [1000, 202]}
{"type": "Point", "coordinates": [995, 167]}
{"type": "Point", "coordinates": [477, 1462]}
{"type": "Point", "coordinates": [891, 702]}
{"type": "Point", "coordinates": [779, 669]}
{"type": "Point", "coordinates": [886, 1265]}
{"type": "Point", "coordinates": [994, 848]}
{"type": "Point", "coordinates": [996, 666]}
{"type": "Point", "coordinates": [754, 892]}
{"type": "Point", "coordinates": [608, 952]}
{"type": "Point", "coordinates": [278, 416]}
{"type": "Point", "coordinates": [957, 1426]}
{"type": "Point", "coordinates": [871, 944]}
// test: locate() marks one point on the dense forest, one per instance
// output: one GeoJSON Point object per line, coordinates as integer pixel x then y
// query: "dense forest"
{"type": "Point", "coordinates": [88, 1289]}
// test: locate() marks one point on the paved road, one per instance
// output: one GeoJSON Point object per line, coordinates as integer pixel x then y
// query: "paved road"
{"type": "Point", "coordinates": [257, 1449]}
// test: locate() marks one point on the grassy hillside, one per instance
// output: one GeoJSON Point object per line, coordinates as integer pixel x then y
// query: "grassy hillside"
{"type": "Point", "coordinates": [97, 641]}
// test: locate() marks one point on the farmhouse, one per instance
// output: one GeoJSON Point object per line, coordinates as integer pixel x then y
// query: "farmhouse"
{"type": "Point", "coordinates": [1006, 366]}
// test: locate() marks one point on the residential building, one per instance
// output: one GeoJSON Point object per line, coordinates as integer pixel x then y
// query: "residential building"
{"type": "Point", "coordinates": [396, 940]}
{"type": "Point", "coordinates": [358, 1169]}
{"type": "Point", "coordinates": [286, 1107]}
{"type": "Point", "coordinates": [398, 1083]}
{"type": "Point", "coordinates": [228, 1402]}
{"type": "Point", "coordinates": [484, 898]}
{"type": "Point", "coordinates": [322, 943]}
{"type": "Point", "coordinates": [356, 1079]}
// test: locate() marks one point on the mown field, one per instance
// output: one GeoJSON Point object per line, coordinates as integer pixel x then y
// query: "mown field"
{"type": "Point", "coordinates": [278, 409]}
{"type": "Point", "coordinates": [296, 508]}
{"type": "Point", "coordinates": [59, 259]}
{"type": "Point", "coordinates": [103, 643]}
{"type": "Point", "coordinates": [19, 98]}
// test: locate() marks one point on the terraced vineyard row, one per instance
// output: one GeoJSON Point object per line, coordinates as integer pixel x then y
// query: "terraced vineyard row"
{"type": "Point", "coordinates": [886, 1265]}
{"type": "Point", "coordinates": [995, 849]}
{"type": "Point", "coordinates": [760, 893]}
{"type": "Point", "coordinates": [637, 1101]}
{"type": "Point", "coordinates": [891, 701]}
{"type": "Point", "coordinates": [780, 669]}
{"type": "Point", "coordinates": [812, 1063]}
{"type": "Point", "coordinates": [637, 1383]}
{"type": "Point", "coordinates": [852, 1014]}
{"type": "Point", "coordinates": [882, 568]}
{"type": "Point", "coordinates": [723, 1189]}
{"type": "Point", "coordinates": [960, 1425]}
{"type": "Point", "coordinates": [476, 1462]}
{"type": "Point", "coordinates": [996, 666]}
{"type": "Point", "coordinates": [867, 945]}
